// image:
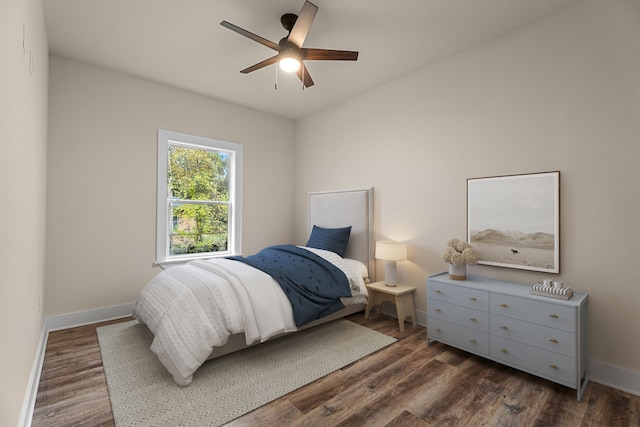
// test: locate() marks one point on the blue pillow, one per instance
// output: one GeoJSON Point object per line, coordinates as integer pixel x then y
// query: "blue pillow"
{"type": "Point", "coordinates": [330, 239]}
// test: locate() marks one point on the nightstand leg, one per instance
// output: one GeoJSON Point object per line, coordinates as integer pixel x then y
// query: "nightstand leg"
{"type": "Point", "coordinates": [404, 307]}
{"type": "Point", "coordinates": [400, 308]}
{"type": "Point", "coordinates": [370, 304]}
{"type": "Point", "coordinates": [401, 322]}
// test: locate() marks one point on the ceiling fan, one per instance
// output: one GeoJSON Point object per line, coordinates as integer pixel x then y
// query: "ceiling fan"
{"type": "Point", "coordinates": [291, 54]}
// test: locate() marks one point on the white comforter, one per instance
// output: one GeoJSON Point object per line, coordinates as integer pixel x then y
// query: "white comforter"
{"type": "Point", "coordinates": [195, 307]}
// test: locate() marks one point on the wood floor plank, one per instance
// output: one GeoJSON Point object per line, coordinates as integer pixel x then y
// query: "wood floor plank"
{"type": "Point", "coordinates": [73, 389]}
{"type": "Point", "coordinates": [315, 394]}
{"type": "Point", "coordinates": [405, 384]}
{"type": "Point", "coordinates": [280, 413]}
{"type": "Point", "coordinates": [387, 404]}
{"type": "Point", "coordinates": [559, 409]}
{"type": "Point", "coordinates": [377, 400]}
{"type": "Point", "coordinates": [610, 407]}
{"type": "Point", "coordinates": [466, 392]}
{"type": "Point", "coordinates": [407, 419]}
{"type": "Point", "coordinates": [521, 403]}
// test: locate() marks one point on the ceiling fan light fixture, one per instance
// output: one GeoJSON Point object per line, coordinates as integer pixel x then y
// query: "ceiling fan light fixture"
{"type": "Point", "coordinates": [289, 64]}
{"type": "Point", "coordinates": [290, 51]}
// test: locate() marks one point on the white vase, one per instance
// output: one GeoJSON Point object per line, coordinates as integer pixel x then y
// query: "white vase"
{"type": "Point", "coordinates": [458, 272]}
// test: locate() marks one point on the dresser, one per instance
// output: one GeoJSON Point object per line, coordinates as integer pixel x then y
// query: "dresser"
{"type": "Point", "coordinates": [502, 321]}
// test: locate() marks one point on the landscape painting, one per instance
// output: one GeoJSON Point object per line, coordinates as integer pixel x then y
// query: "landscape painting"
{"type": "Point", "coordinates": [514, 221]}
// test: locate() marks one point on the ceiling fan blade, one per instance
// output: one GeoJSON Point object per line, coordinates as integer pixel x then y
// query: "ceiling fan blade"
{"type": "Point", "coordinates": [254, 37]}
{"type": "Point", "coordinates": [303, 24]}
{"type": "Point", "coordinates": [261, 64]}
{"type": "Point", "coordinates": [303, 75]}
{"type": "Point", "coordinates": [329, 55]}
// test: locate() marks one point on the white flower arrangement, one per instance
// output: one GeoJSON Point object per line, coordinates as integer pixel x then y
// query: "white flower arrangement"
{"type": "Point", "coordinates": [459, 252]}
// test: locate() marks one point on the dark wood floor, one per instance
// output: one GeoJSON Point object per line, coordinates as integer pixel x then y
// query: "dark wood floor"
{"type": "Point", "coordinates": [405, 384]}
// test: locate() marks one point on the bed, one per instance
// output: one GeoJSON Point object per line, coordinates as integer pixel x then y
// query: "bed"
{"type": "Point", "coordinates": [209, 308]}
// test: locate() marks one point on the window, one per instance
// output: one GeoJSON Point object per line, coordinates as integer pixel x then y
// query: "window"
{"type": "Point", "coordinates": [199, 197]}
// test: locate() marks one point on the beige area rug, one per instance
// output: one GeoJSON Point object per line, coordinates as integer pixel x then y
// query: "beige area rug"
{"type": "Point", "coordinates": [143, 393]}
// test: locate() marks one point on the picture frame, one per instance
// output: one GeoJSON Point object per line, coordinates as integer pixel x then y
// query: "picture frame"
{"type": "Point", "coordinates": [513, 221]}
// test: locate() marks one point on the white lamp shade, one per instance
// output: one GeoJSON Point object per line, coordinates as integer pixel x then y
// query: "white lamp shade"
{"type": "Point", "coordinates": [390, 250]}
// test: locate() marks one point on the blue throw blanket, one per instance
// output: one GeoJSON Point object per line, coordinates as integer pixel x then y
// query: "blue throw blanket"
{"type": "Point", "coordinates": [313, 285]}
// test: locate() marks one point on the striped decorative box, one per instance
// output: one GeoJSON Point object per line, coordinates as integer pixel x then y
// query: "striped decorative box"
{"type": "Point", "coordinates": [550, 291]}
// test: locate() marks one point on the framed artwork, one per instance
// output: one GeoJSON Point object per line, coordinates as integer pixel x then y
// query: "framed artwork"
{"type": "Point", "coordinates": [514, 221]}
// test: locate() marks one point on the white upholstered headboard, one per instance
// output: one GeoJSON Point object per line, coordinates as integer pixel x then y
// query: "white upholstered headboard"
{"type": "Point", "coordinates": [334, 209]}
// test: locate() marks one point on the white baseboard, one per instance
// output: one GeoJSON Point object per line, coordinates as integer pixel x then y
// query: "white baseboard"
{"type": "Point", "coordinates": [614, 376]}
{"type": "Point", "coordinates": [421, 318]}
{"type": "Point", "coordinates": [87, 317]}
{"type": "Point", "coordinates": [29, 403]}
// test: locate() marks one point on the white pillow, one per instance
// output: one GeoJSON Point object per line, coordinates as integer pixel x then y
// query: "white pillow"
{"type": "Point", "coordinates": [355, 271]}
{"type": "Point", "coordinates": [358, 266]}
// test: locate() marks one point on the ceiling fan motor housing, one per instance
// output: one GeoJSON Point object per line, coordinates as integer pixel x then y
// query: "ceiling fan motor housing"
{"type": "Point", "coordinates": [288, 20]}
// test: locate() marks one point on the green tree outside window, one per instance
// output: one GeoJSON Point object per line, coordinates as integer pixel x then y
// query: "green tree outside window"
{"type": "Point", "coordinates": [198, 186]}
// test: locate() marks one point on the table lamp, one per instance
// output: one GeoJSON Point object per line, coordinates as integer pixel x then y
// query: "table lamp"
{"type": "Point", "coordinates": [391, 251]}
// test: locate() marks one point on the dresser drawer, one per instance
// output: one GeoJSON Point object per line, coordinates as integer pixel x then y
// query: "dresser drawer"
{"type": "Point", "coordinates": [458, 336]}
{"type": "Point", "coordinates": [463, 316]}
{"type": "Point", "coordinates": [543, 337]}
{"type": "Point", "coordinates": [539, 312]}
{"type": "Point", "coordinates": [471, 298]}
{"type": "Point", "coordinates": [553, 366]}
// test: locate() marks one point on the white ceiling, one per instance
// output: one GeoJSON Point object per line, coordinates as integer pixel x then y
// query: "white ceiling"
{"type": "Point", "coordinates": [181, 42]}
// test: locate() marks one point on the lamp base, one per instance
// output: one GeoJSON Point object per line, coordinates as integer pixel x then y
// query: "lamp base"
{"type": "Point", "coordinates": [390, 273]}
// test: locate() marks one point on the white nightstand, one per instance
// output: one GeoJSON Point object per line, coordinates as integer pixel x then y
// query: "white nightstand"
{"type": "Point", "coordinates": [400, 295]}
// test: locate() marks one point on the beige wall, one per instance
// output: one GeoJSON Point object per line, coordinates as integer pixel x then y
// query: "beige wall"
{"type": "Point", "coordinates": [23, 136]}
{"type": "Point", "coordinates": [562, 94]}
{"type": "Point", "coordinates": [102, 178]}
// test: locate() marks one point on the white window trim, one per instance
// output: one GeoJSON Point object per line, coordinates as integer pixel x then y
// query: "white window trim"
{"type": "Point", "coordinates": [162, 212]}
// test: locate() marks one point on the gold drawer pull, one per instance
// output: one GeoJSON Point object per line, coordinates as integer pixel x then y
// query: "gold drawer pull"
{"type": "Point", "coordinates": [504, 328]}
{"type": "Point", "coordinates": [438, 330]}
{"type": "Point", "coordinates": [504, 350]}
{"type": "Point", "coordinates": [504, 305]}
{"type": "Point", "coordinates": [472, 341]}
{"type": "Point", "coordinates": [555, 316]}
{"type": "Point", "coordinates": [554, 366]}
{"type": "Point", "coordinates": [438, 310]}
{"type": "Point", "coordinates": [473, 299]}
{"type": "Point", "coordinates": [473, 319]}
{"type": "Point", "coordinates": [553, 340]}
{"type": "Point", "coordinates": [438, 291]}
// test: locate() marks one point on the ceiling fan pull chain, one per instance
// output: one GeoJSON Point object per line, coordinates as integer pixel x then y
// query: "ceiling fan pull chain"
{"type": "Point", "coordinates": [276, 85]}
